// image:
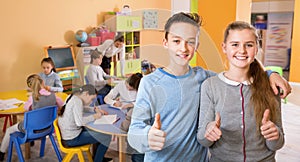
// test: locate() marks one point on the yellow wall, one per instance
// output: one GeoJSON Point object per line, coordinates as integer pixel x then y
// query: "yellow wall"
{"type": "Point", "coordinates": [216, 16]}
{"type": "Point", "coordinates": [295, 59]}
{"type": "Point", "coordinates": [28, 26]}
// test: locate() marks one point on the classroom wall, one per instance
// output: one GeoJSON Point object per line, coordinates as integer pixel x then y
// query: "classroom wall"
{"type": "Point", "coordinates": [295, 56]}
{"type": "Point", "coordinates": [28, 26]}
{"type": "Point", "coordinates": [216, 16]}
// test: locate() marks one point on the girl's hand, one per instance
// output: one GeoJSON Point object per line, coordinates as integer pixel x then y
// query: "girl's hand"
{"type": "Point", "coordinates": [213, 131]}
{"type": "Point", "coordinates": [110, 81]}
{"type": "Point", "coordinates": [127, 106]}
{"type": "Point", "coordinates": [47, 88]}
{"type": "Point", "coordinates": [97, 115]}
{"type": "Point", "coordinates": [102, 112]}
{"type": "Point", "coordinates": [268, 129]}
{"type": "Point", "coordinates": [117, 103]}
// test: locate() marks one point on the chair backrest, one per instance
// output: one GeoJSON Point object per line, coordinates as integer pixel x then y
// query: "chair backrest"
{"type": "Point", "coordinates": [39, 123]}
{"type": "Point", "coordinates": [86, 80]}
{"type": "Point", "coordinates": [58, 135]}
{"type": "Point", "coordinates": [277, 69]}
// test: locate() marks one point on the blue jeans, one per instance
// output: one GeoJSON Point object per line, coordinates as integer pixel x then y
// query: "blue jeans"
{"type": "Point", "coordinates": [88, 136]}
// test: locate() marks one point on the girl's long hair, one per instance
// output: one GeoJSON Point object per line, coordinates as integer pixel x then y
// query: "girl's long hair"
{"type": "Point", "coordinates": [35, 83]}
{"type": "Point", "coordinates": [262, 94]}
{"type": "Point", "coordinates": [90, 89]}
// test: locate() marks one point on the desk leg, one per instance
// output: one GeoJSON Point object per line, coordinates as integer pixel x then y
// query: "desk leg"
{"type": "Point", "coordinates": [27, 150]}
{"type": "Point", "coordinates": [122, 154]}
{"type": "Point", "coordinates": [14, 119]}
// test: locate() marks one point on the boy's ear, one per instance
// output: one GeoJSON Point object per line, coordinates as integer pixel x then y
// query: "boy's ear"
{"type": "Point", "coordinates": [224, 47]}
{"type": "Point", "coordinates": [165, 43]}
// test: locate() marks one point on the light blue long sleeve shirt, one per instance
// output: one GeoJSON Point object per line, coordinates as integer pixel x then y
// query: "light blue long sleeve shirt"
{"type": "Point", "coordinates": [52, 80]}
{"type": "Point", "coordinates": [177, 99]}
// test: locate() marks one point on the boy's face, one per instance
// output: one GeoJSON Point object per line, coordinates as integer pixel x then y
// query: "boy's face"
{"type": "Point", "coordinates": [182, 43]}
{"type": "Point", "coordinates": [98, 61]}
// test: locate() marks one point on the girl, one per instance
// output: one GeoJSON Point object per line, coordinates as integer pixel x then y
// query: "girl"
{"type": "Point", "coordinates": [50, 77]}
{"type": "Point", "coordinates": [71, 122]}
{"type": "Point", "coordinates": [240, 117]}
{"type": "Point", "coordinates": [96, 76]}
{"type": "Point", "coordinates": [124, 94]}
{"type": "Point", "coordinates": [40, 98]}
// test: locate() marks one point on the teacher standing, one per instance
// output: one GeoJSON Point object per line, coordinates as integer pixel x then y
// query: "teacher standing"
{"type": "Point", "coordinates": [110, 48]}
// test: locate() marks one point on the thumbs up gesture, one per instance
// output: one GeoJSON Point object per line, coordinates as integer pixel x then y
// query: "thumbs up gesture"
{"type": "Point", "coordinates": [213, 131]}
{"type": "Point", "coordinates": [268, 129]}
{"type": "Point", "coordinates": [156, 137]}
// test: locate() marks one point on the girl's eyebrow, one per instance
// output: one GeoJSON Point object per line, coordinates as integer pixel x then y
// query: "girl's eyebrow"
{"type": "Point", "coordinates": [239, 42]}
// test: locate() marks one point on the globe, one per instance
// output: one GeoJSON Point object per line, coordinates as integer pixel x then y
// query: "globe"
{"type": "Point", "coordinates": [81, 36]}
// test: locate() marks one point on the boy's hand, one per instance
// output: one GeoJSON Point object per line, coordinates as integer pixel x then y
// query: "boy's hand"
{"type": "Point", "coordinates": [268, 128]}
{"type": "Point", "coordinates": [213, 131]}
{"type": "Point", "coordinates": [156, 137]}
{"type": "Point", "coordinates": [277, 81]}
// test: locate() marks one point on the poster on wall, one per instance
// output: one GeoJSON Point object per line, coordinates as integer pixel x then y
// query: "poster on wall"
{"type": "Point", "coordinates": [278, 39]}
{"type": "Point", "coordinates": [259, 20]}
{"type": "Point", "coordinates": [150, 19]}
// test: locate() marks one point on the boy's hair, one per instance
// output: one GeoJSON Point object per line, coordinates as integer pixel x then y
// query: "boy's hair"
{"type": "Point", "coordinates": [50, 61]}
{"type": "Point", "coordinates": [190, 18]}
{"type": "Point", "coordinates": [262, 95]}
{"type": "Point", "coordinates": [35, 82]}
{"type": "Point", "coordinates": [90, 89]}
{"type": "Point", "coordinates": [134, 80]}
{"type": "Point", "coordinates": [94, 55]}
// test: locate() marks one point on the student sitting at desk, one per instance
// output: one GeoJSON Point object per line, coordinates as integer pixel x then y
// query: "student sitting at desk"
{"type": "Point", "coordinates": [71, 122]}
{"type": "Point", "coordinates": [96, 76]}
{"type": "Point", "coordinates": [40, 98]}
{"type": "Point", "coordinates": [51, 78]}
{"type": "Point", "coordinates": [124, 93]}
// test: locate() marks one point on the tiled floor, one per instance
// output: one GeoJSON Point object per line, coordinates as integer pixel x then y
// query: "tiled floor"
{"type": "Point", "coordinates": [289, 153]}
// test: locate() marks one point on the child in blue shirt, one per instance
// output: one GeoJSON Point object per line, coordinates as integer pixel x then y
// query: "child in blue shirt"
{"type": "Point", "coordinates": [51, 78]}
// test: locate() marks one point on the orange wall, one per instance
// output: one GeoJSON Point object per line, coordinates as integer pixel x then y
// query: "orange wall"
{"type": "Point", "coordinates": [216, 16]}
{"type": "Point", "coordinates": [28, 26]}
{"type": "Point", "coordinates": [295, 57]}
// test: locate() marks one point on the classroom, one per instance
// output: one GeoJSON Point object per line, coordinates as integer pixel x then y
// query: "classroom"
{"type": "Point", "coordinates": [30, 28]}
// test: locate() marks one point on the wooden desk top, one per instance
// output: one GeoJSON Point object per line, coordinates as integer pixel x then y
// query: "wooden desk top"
{"type": "Point", "coordinates": [111, 129]}
{"type": "Point", "coordinates": [21, 95]}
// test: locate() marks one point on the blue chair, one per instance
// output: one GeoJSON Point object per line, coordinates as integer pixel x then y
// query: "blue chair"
{"type": "Point", "coordinates": [100, 98]}
{"type": "Point", "coordinates": [37, 124]}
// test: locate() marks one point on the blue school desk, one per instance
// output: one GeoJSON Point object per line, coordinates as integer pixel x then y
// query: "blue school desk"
{"type": "Point", "coordinates": [112, 129]}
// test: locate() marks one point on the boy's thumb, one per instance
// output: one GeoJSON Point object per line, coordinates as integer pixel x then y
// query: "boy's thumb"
{"type": "Point", "coordinates": [157, 122]}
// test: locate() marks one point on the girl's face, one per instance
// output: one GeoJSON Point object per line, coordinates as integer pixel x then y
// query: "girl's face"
{"type": "Point", "coordinates": [47, 67]}
{"type": "Point", "coordinates": [87, 99]}
{"type": "Point", "coordinates": [182, 43]}
{"type": "Point", "coordinates": [129, 88]}
{"type": "Point", "coordinates": [240, 48]}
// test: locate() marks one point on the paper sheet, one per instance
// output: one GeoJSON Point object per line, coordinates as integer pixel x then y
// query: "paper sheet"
{"type": "Point", "coordinates": [11, 101]}
{"type": "Point", "coordinates": [6, 107]}
{"type": "Point", "coordinates": [106, 119]}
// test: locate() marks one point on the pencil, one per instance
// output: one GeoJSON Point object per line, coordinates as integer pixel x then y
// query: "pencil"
{"type": "Point", "coordinates": [116, 120]}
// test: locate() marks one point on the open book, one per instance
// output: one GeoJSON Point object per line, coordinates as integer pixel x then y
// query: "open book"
{"type": "Point", "coordinates": [106, 119]}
